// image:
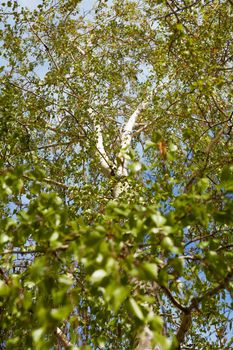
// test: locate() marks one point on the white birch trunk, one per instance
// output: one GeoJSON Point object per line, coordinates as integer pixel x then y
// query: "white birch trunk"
{"type": "Point", "coordinates": [145, 338]}
{"type": "Point", "coordinates": [121, 173]}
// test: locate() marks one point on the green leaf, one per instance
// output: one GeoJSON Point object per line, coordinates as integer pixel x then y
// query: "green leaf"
{"type": "Point", "coordinates": [135, 167]}
{"type": "Point", "coordinates": [98, 276]}
{"type": "Point", "coordinates": [119, 296]}
{"type": "Point", "coordinates": [37, 334]}
{"type": "Point", "coordinates": [167, 243]}
{"type": "Point", "coordinates": [61, 313]}
{"type": "Point", "coordinates": [163, 277]}
{"type": "Point", "coordinates": [66, 280]}
{"type": "Point", "coordinates": [150, 270]}
{"type": "Point", "coordinates": [158, 219]}
{"type": "Point", "coordinates": [4, 289]}
{"type": "Point", "coordinates": [179, 27]}
{"type": "Point", "coordinates": [135, 308]}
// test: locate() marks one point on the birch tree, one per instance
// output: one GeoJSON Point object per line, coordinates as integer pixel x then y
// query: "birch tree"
{"type": "Point", "coordinates": [116, 175]}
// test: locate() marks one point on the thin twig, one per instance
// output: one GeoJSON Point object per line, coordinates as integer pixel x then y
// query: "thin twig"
{"type": "Point", "coordinates": [173, 300]}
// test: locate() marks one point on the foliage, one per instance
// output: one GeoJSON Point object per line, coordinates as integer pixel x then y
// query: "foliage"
{"type": "Point", "coordinates": [116, 175]}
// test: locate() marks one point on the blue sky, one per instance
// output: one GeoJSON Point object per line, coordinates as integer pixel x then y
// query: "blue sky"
{"type": "Point", "coordinates": [85, 5]}
{"type": "Point", "coordinates": [32, 4]}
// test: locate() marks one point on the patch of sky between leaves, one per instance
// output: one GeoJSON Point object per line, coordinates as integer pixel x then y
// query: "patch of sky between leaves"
{"type": "Point", "coordinates": [85, 5]}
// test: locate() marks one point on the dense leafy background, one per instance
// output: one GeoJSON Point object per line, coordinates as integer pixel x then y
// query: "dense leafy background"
{"type": "Point", "coordinates": [72, 256]}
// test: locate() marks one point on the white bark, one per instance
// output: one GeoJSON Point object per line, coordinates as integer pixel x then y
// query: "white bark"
{"type": "Point", "coordinates": [81, 50]}
{"type": "Point", "coordinates": [126, 138]}
{"type": "Point", "coordinates": [145, 338]}
{"type": "Point", "coordinates": [126, 135]}
{"type": "Point", "coordinates": [104, 160]}
{"type": "Point", "coordinates": [63, 339]}
{"type": "Point", "coordinates": [119, 188]}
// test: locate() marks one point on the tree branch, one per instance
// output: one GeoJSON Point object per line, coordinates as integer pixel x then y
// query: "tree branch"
{"type": "Point", "coordinates": [45, 46]}
{"type": "Point", "coordinates": [21, 252]}
{"type": "Point", "coordinates": [105, 162]}
{"type": "Point", "coordinates": [128, 127]}
{"type": "Point", "coordinates": [144, 341]}
{"type": "Point", "coordinates": [126, 137]}
{"type": "Point", "coordinates": [211, 292]}
{"type": "Point", "coordinates": [50, 181]}
{"type": "Point", "coordinates": [173, 300]}
{"type": "Point", "coordinates": [186, 322]}
{"type": "Point", "coordinates": [186, 319]}
{"type": "Point", "coordinates": [63, 339]}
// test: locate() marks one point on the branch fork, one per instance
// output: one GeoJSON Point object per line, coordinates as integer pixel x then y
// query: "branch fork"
{"type": "Point", "coordinates": [118, 169]}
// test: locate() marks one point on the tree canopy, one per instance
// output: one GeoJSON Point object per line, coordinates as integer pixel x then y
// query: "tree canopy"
{"type": "Point", "coordinates": [116, 175]}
